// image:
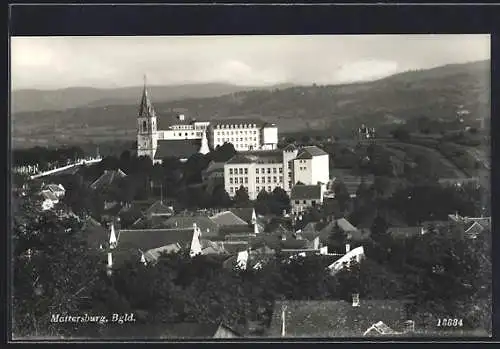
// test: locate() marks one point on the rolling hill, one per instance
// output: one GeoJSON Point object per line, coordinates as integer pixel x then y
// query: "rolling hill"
{"type": "Point", "coordinates": [29, 100]}
{"type": "Point", "coordinates": [435, 93]}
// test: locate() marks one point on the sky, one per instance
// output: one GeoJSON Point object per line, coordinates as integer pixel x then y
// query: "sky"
{"type": "Point", "coordinates": [110, 62]}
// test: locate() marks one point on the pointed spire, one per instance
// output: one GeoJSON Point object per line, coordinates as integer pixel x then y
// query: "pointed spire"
{"type": "Point", "coordinates": [143, 258]}
{"type": "Point", "coordinates": [112, 237]}
{"type": "Point", "coordinates": [204, 149]}
{"type": "Point", "coordinates": [146, 108]}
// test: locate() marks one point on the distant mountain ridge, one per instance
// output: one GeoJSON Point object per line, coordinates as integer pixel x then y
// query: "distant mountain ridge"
{"type": "Point", "coordinates": [32, 100]}
{"type": "Point", "coordinates": [436, 93]}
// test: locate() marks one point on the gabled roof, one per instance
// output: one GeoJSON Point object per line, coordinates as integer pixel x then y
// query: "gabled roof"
{"type": "Point", "coordinates": [147, 239]}
{"type": "Point", "coordinates": [306, 192]}
{"type": "Point", "coordinates": [107, 178]}
{"type": "Point", "coordinates": [235, 246]}
{"type": "Point", "coordinates": [56, 188]}
{"type": "Point", "coordinates": [159, 209]}
{"type": "Point", "coordinates": [257, 156]}
{"type": "Point", "coordinates": [49, 195]}
{"type": "Point", "coordinates": [345, 225]}
{"type": "Point", "coordinates": [153, 254]}
{"type": "Point", "coordinates": [95, 233]}
{"type": "Point", "coordinates": [309, 152]}
{"type": "Point", "coordinates": [335, 318]}
{"type": "Point", "coordinates": [473, 229]}
{"type": "Point", "coordinates": [207, 226]}
{"type": "Point", "coordinates": [181, 149]}
{"type": "Point", "coordinates": [245, 213]}
{"type": "Point", "coordinates": [227, 218]}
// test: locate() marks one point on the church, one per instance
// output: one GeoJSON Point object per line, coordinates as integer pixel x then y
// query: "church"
{"type": "Point", "coordinates": [184, 138]}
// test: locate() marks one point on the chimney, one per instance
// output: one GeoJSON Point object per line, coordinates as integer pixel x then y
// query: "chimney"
{"type": "Point", "coordinates": [283, 320]}
{"type": "Point", "coordinates": [409, 326]}
{"type": "Point", "coordinates": [355, 299]}
{"type": "Point", "coordinates": [347, 248]}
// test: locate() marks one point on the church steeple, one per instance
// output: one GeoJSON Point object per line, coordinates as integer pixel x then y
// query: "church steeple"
{"type": "Point", "coordinates": [146, 108]}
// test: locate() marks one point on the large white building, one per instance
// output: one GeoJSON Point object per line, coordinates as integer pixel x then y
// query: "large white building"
{"type": "Point", "coordinates": [268, 169]}
{"type": "Point", "coordinates": [186, 137]}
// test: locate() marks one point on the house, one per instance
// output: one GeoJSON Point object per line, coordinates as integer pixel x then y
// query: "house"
{"type": "Point", "coordinates": [334, 319]}
{"type": "Point", "coordinates": [471, 226]}
{"type": "Point", "coordinates": [214, 172]}
{"type": "Point", "coordinates": [57, 189]}
{"type": "Point", "coordinates": [127, 244]}
{"type": "Point", "coordinates": [208, 228]}
{"type": "Point", "coordinates": [227, 218]}
{"type": "Point", "coordinates": [49, 199]}
{"type": "Point", "coordinates": [245, 213]}
{"type": "Point", "coordinates": [246, 259]}
{"type": "Point", "coordinates": [305, 196]}
{"type": "Point", "coordinates": [355, 255]}
{"type": "Point", "coordinates": [353, 233]}
{"type": "Point", "coordinates": [107, 178]}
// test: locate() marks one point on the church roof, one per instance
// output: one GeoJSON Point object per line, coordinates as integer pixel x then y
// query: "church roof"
{"type": "Point", "coordinates": [181, 149]}
{"type": "Point", "coordinates": [146, 108]}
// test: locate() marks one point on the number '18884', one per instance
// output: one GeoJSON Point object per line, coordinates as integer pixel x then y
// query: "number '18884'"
{"type": "Point", "coordinates": [450, 322]}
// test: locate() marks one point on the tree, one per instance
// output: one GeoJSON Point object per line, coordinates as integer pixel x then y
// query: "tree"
{"type": "Point", "coordinates": [241, 197]}
{"type": "Point", "coordinates": [279, 201]}
{"type": "Point", "coordinates": [401, 134]}
{"type": "Point", "coordinates": [220, 197]}
{"type": "Point", "coordinates": [379, 228]}
{"type": "Point", "coordinates": [222, 153]}
{"type": "Point", "coordinates": [341, 195]}
{"type": "Point", "coordinates": [337, 239]}
{"type": "Point", "coordinates": [54, 270]}
{"type": "Point", "coordinates": [262, 202]}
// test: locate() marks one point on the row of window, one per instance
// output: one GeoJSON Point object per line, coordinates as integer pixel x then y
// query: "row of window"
{"type": "Point", "coordinates": [227, 133]}
{"type": "Point", "coordinates": [246, 139]}
{"type": "Point", "coordinates": [257, 180]}
{"type": "Point", "coordinates": [313, 202]}
{"type": "Point", "coordinates": [237, 126]}
{"type": "Point", "coordinates": [263, 170]}
{"type": "Point", "coordinates": [240, 180]}
{"type": "Point", "coordinates": [233, 190]}
{"type": "Point", "coordinates": [238, 171]}
{"type": "Point", "coordinates": [198, 134]}
{"type": "Point", "coordinates": [268, 170]}
{"type": "Point", "coordinates": [275, 179]}
{"type": "Point", "coordinates": [302, 168]}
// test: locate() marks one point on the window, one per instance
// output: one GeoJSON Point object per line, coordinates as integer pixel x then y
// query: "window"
{"type": "Point", "coordinates": [305, 202]}
{"type": "Point", "coordinates": [269, 179]}
{"type": "Point", "coordinates": [241, 180]}
{"type": "Point", "coordinates": [186, 134]}
{"type": "Point", "coordinates": [290, 184]}
{"type": "Point", "coordinates": [246, 180]}
{"type": "Point", "coordinates": [275, 179]}
{"type": "Point", "coordinates": [230, 171]}
{"type": "Point", "coordinates": [231, 180]}
{"type": "Point", "coordinates": [241, 171]}
{"type": "Point", "coordinates": [241, 139]}
{"type": "Point", "coordinates": [255, 139]}
{"type": "Point", "coordinates": [257, 171]}
{"type": "Point", "coordinates": [144, 126]}
{"type": "Point", "coordinates": [256, 179]}
{"type": "Point", "coordinates": [263, 179]}
{"type": "Point", "coordinates": [281, 179]}
{"type": "Point", "coordinates": [281, 169]}
{"type": "Point", "coordinates": [269, 188]}
{"type": "Point", "coordinates": [296, 201]}
{"type": "Point", "coordinates": [313, 202]}
{"type": "Point", "coordinates": [268, 170]}
{"type": "Point", "coordinates": [231, 190]}
{"type": "Point", "coordinates": [254, 132]}
{"type": "Point", "coordinates": [274, 170]}
{"type": "Point", "coordinates": [257, 188]}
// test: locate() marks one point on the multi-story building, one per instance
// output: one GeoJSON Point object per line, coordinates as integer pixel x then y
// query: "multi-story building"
{"type": "Point", "coordinates": [186, 137]}
{"type": "Point", "coordinates": [243, 134]}
{"type": "Point", "coordinates": [269, 169]}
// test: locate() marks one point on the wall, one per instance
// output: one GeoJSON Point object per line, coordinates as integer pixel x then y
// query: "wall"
{"type": "Point", "coordinates": [302, 171]}
{"type": "Point", "coordinates": [269, 137]}
{"type": "Point", "coordinates": [242, 138]}
{"type": "Point", "coordinates": [320, 169]}
{"type": "Point", "coordinates": [288, 157]}
{"type": "Point", "coordinates": [303, 204]}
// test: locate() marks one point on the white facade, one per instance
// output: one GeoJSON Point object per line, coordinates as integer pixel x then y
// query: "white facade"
{"type": "Point", "coordinates": [269, 137]}
{"type": "Point", "coordinates": [267, 170]}
{"type": "Point", "coordinates": [245, 135]}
